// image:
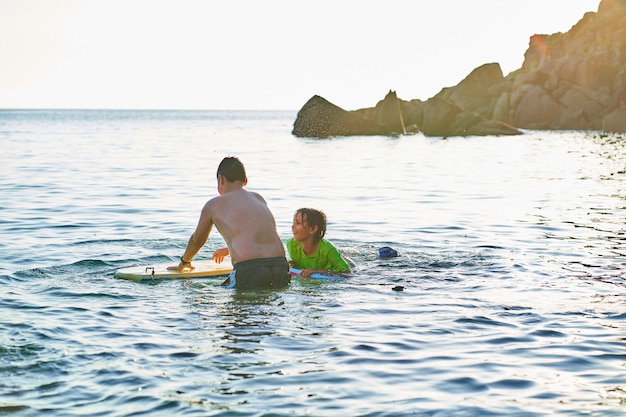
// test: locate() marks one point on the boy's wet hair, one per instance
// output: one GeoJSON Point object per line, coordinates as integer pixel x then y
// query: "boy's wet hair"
{"type": "Point", "coordinates": [312, 217]}
{"type": "Point", "coordinates": [232, 169]}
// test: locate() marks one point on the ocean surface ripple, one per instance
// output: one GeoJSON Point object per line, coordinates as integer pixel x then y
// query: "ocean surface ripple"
{"type": "Point", "coordinates": [507, 298]}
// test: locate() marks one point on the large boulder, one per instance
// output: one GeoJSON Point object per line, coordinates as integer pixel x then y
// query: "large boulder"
{"type": "Point", "coordinates": [445, 118]}
{"type": "Point", "coordinates": [537, 109]}
{"type": "Point", "coordinates": [616, 121]}
{"type": "Point", "coordinates": [320, 118]}
{"type": "Point", "coordinates": [476, 91]}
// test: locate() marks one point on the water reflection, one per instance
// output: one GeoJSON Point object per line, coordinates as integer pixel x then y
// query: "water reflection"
{"type": "Point", "coordinates": [255, 335]}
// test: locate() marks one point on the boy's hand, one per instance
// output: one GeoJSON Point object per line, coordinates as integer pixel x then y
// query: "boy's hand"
{"type": "Point", "coordinates": [181, 267]}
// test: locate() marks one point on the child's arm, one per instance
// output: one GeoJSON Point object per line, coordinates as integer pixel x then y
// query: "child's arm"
{"type": "Point", "coordinates": [220, 254]}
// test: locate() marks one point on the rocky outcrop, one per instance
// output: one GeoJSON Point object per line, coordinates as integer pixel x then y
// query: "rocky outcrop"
{"type": "Point", "coordinates": [568, 81]}
{"type": "Point", "coordinates": [392, 116]}
{"type": "Point", "coordinates": [572, 80]}
{"type": "Point", "coordinates": [320, 118]}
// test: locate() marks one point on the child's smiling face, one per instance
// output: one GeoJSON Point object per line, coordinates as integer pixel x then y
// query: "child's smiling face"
{"type": "Point", "coordinates": [300, 229]}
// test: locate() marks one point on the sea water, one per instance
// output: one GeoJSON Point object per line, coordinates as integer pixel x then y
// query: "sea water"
{"type": "Point", "coordinates": [512, 259]}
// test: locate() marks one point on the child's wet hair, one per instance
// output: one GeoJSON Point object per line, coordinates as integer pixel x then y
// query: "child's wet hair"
{"type": "Point", "coordinates": [312, 217]}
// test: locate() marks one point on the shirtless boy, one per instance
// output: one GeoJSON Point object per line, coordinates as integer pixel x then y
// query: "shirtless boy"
{"type": "Point", "coordinates": [247, 225]}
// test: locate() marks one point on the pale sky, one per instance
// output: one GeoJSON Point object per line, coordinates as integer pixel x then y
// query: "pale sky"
{"type": "Point", "coordinates": [258, 54]}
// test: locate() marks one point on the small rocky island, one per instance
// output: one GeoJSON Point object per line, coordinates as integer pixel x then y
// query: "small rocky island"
{"type": "Point", "coordinates": [568, 81]}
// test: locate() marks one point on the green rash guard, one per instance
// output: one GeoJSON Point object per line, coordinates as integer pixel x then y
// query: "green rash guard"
{"type": "Point", "coordinates": [326, 257]}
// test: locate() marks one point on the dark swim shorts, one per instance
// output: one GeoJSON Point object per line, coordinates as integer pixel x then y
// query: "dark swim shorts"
{"type": "Point", "coordinates": [259, 273]}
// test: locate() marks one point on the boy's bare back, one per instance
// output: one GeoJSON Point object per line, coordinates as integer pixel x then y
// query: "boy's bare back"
{"type": "Point", "coordinates": [246, 223]}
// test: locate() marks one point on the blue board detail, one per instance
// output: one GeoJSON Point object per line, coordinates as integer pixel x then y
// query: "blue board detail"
{"type": "Point", "coordinates": [296, 272]}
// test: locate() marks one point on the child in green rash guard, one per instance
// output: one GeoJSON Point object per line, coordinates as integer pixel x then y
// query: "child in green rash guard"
{"type": "Point", "coordinates": [308, 250]}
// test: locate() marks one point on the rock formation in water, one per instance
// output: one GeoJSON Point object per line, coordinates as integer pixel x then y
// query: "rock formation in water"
{"type": "Point", "coordinates": [568, 81]}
